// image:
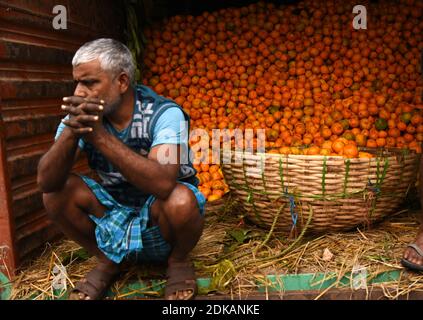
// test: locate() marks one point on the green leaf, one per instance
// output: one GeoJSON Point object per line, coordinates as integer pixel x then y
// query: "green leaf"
{"type": "Point", "coordinates": [222, 275]}
{"type": "Point", "coordinates": [240, 235]}
{"type": "Point", "coordinates": [80, 254]}
{"type": "Point", "coordinates": [231, 248]}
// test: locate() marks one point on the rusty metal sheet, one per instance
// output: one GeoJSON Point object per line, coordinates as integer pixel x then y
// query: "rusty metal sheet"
{"type": "Point", "coordinates": [91, 17]}
{"type": "Point", "coordinates": [8, 254]}
{"type": "Point", "coordinates": [26, 202]}
{"type": "Point", "coordinates": [22, 25]}
{"type": "Point", "coordinates": [35, 89]}
{"type": "Point", "coordinates": [24, 164]}
{"type": "Point", "coordinates": [22, 52]}
{"type": "Point", "coordinates": [35, 73]}
{"type": "Point", "coordinates": [24, 108]}
{"type": "Point", "coordinates": [36, 126]}
{"type": "Point", "coordinates": [27, 184]}
{"type": "Point", "coordinates": [14, 71]}
{"type": "Point", "coordinates": [14, 32]}
{"type": "Point", "coordinates": [35, 236]}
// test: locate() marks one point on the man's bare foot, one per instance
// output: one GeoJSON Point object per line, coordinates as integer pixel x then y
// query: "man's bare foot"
{"type": "Point", "coordinates": [96, 283]}
{"type": "Point", "coordinates": [412, 258]}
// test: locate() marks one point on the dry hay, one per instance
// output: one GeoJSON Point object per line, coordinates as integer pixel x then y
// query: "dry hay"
{"type": "Point", "coordinates": [237, 255]}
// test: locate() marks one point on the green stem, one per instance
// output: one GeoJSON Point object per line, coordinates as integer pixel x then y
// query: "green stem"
{"type": "Point", "coordinates": [324, 177]}
{"type": "Point", "coordinates": [347, 174]}
{"type": "Point", "coordinates": [271, 230]}
{"type": "Point", "coordinates": [287, 249]}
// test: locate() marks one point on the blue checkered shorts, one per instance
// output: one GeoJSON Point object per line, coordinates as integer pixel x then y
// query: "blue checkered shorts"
{"type": "Point", "coordinates": [122, 232]}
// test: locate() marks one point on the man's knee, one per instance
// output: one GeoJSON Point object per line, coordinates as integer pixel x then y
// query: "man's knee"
{"type": "Point", "coordinates": [181, 206]}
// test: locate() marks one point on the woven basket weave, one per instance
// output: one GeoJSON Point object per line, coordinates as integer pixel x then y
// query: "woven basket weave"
{"type": "Point", "coordinates": [320, 193]}
{"type": "Point", "coordinates": [217, 206]}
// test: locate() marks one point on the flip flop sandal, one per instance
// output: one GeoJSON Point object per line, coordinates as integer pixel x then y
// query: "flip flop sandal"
{"type": "Point", "coordinates": [96, 285]}
{"type": "Point", "coordinates": [409, 264]}
{"type": "Point", "coordinates": [181, 277]}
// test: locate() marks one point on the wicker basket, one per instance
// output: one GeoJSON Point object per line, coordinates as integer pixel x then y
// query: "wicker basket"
{"type": "Point", "coordinates": [319, 193]}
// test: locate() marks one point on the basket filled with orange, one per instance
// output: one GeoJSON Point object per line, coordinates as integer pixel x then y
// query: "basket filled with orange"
{"type": "Point", "coordinates": [321, 193]}
{"type": "Point", "coordinates": [322, 91]}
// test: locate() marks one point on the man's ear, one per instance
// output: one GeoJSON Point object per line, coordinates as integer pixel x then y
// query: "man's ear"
{"type": "Point", "coordinates": [124, 82]}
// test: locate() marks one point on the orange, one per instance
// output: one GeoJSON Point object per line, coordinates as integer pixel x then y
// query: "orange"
{"type": "Point", "coordinates": [326, 132]}
{"type": "Point", "coordinates": [218, 185]}
{"type": "Point", "coordinates": [213, 197]}
{"type": "Point", "coordinates": [337, 128]}
{"type": "Point", "coordinates": [362, 154]}
{"type": "Point", "coordinates": [216, 175]}
{"type": "Point", "coordinates": [361, 140]}
{"type": "Point", "coordinates": [350, 151]}
{"type": "Point", "coordinates": [371, 143]}
{"type": "Point", "coordinates": [338, 146]}
{"type": "Point", "coordinates": [213, 168]}
{"type": "Point", "coordinates": [219, 193]}
{"type": "Point", "coordinates": [327, 145]}
{"type": "Point", "coordinates": [204, 167]}
{"type": "Point", "coordinates": [273, 151]}
{"type": "Point", "coordinates": [205, 176]}
{"type": "Point", "coordinates": [381, 142]}
{"type": "Point", "coordinates": [284, 150]}
{"type": "Point", "coordinates": [313, 150]}
{"type": "Point", "coordinates": [416, 119]}
{"type": "Point", "coordinates": [394, 132]}
{"type": "Point", "coordinates": [325, 152]}
{"type": "Point", "coordinates": [206, 192]}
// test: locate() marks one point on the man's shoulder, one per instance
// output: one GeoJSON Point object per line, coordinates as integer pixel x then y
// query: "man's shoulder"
{"type": "Point", "coordinates": [148, 95]}
{"type": "Point", "coordinates": [158, 106]}
{"type": "Point", "coordinates": [172, 114]}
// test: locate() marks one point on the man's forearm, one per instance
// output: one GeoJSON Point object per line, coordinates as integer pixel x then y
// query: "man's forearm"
{"type": "Point", "coordinates": [145, 174]}
{"type": "Point", "coordinates": [54, 167]}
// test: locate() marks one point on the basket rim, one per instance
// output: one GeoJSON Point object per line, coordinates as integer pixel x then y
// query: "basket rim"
{"type": "Point", "coordinates": [379, 152]}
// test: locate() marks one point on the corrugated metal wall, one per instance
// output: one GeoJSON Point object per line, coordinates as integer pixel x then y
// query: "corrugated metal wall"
{"type": "Point", "coordinates": [35, 73]}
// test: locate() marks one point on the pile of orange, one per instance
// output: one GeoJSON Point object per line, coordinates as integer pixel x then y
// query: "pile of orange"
{"type": "Point", "coordinates": [300, 72]}
{"type": "Point", "coordinates": [212, 184]}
